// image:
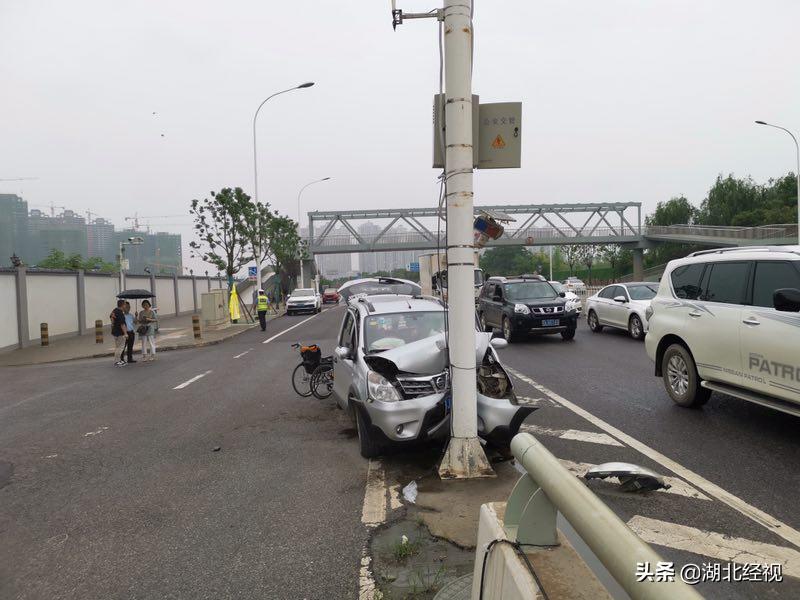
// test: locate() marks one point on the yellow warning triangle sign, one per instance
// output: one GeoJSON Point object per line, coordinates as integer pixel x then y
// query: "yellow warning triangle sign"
{"type": "Point", "coordinates": [498, 142]}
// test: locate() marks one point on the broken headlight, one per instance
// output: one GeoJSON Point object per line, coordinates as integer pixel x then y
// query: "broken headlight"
{"type": "Point", "coordinates": [379, 388]}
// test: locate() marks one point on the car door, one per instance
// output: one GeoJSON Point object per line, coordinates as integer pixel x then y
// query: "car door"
{"type": "Point", "coordinates": [770, 339]}
{"type": "Point", "coordinates": [494, 305]}
{"type": "Point", "coordinates": [618, 311]}
{"type": "Point", "coordinates": [713, 323]}
{"type": "Point", "coordinates": [343, 368]}
{"type": "Point", "coordinates": [602, 304]}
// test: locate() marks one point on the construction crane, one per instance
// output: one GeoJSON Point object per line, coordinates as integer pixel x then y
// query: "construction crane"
{"type": "Point", "coordinates": [135, 218]}
{"type": "Point", "coordinates": [51, 206]}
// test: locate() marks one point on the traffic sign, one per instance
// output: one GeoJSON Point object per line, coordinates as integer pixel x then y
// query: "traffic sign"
{"type": "Point", "coordinates": [413, 267]}
{"type": "Point", "coordinates": [252, 273]}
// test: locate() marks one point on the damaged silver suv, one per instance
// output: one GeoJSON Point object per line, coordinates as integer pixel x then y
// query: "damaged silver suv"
{"type": "Point", "coordinates": [391, 373]}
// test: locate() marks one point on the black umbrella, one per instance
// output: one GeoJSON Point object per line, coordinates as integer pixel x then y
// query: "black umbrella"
{"type": "Point", "coordinates": [135, 294]}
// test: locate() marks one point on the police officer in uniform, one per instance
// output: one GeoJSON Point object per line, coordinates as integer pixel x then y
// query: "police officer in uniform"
{"type": "Point", "coordinates": [261, 305]}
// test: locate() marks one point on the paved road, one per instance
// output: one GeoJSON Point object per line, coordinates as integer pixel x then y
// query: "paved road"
{"type": "Point", "coordinates": [109, 487]}
{"type": "Point", "coordinates": [116, 493]}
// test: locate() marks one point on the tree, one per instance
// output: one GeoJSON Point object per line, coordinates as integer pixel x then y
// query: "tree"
{"type": "Point", "coordinates": [675, 211]}
{"type": "Point", "coordinates": [507, 260]}
{"type": "Point", "coordinates": [587, 255]}
{"type": "Point", "coordinates": [613, 254]}
{"type": "Point", "coordinates": [571, 253]}
{"type": "Point", "coordinates": [56, 259]}
{"type": "Point", "coordinates": [282, 248]}
{"type": "Point", "coordinates": [219, 222]}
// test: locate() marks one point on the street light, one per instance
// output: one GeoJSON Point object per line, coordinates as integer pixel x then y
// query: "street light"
{"type": "Point", "coordinates": [300, 193]}
{"type": "Point", "coordinates": [797, 173]}
{"type": "Point", "coordinates": [132, 241]}
{"type": "Point", "coordinates": [257, 251]}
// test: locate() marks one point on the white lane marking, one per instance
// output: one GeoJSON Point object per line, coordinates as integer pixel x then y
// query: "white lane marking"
{"type": "Point", "coordinates": [99, 431]}
{"type": "Point", "coordinates": [573, 434]}
{"type": "Point", "coordinates": [268, 340]}
{"type": "Point", "coordinates": [191, 381]}
{"type": "Point", "coordinates": [677, 486]}
{"type": "Point", "coordinates": [374, 511]}
{"type": "Point", "coordinates": [394, 497]}
{"type": "Point", "coordinates": [769, 522]}
{"type": "Point", "coordinates": [716, 545]}
{"type": "Point", "coordinates": [527, 401]}
{"type": "Point", "coordinates": [242, 354]}
{"type": "Point", "coordinates": [366, 582]}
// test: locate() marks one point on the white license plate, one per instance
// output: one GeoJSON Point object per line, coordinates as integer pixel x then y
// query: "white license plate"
{"type": "Point", "coordinates": [550, 323]}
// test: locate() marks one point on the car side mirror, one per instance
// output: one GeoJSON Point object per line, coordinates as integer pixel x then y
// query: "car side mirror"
{"type": "Point", "coordinates": [498, 343]}
{"type": "Point", "coordinates": [620, 299]}
{"type": "Point", "coordinates": [562, 294]}
{"type": "Point", "coordinates": [342, 353]}
{"type": "Point", "coordinates": [786, 300]}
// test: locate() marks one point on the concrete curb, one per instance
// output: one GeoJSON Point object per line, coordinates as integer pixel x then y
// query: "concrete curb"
{"type": "Point", "coordinates": [170, 348]}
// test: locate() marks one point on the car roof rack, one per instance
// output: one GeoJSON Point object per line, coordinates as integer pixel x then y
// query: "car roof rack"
{"type": "Point", "coordinates": [743, 249]}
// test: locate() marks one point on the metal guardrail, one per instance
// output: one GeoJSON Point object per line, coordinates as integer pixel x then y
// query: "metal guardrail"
{"type": "Point", "coordinates": [762, 232]}
{"type": "Point", "coordinates": [547, 489]}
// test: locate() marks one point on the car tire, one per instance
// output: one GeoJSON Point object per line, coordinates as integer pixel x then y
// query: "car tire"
{"type": "Point", "coordinates": [635, 327]}
{"type": "Point", "coordinates": [568, 334]}
{"type": "Point", "coordinates": [508, 332]}
{"type": "Point", "coordinates": [681, 379]}
{"type": "Point", "coordinates": [366, 445]}
{"type": "Point", "coordinates": [486, 328]}
{"type": "Point", "coordinates": [594, 322]}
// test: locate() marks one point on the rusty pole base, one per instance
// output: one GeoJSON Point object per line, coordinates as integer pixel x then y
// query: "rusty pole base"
{"type": "Point", "coordinates": [465, 459]}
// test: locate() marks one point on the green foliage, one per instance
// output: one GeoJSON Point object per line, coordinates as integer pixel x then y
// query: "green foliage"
{"type": "Point", "coordinates": [56, 259]}
{"type": "Point", "coordinates": [675, 211]}
{"type": "Point", "coordinates": [743, 202]}
{"type": "Point", "coordinates": [219, 223]}
{"type": "Point", "coordinates": [507, 260]}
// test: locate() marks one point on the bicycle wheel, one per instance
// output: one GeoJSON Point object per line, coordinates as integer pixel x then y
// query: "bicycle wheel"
{"type": "Point", "coordinates": [322, 381]}
{"type": "Point", "coordinates": [301, 381]}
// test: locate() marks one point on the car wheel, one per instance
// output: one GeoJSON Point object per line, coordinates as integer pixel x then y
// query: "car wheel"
{"type": "Point", "coordinates": [681, 379]}
{"type": "Point", "coordinates": [635, 328]}
{"type": "Point", "coordinates": [508, 332]}
{"type": "Point", "coordinates": [568, 334]}
{"type": "Point", "coordinates": [594, 322]}
{"type": "Point", "coordinates": [484, 326]}
{"type": "Point", "coordinates": [366, 445]}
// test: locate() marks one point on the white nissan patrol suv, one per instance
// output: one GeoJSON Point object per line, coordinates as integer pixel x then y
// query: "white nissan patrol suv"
{"type": "Point", "coordinates": [728, 320]}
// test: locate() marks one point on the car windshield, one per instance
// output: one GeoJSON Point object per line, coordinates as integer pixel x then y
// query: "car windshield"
{"type": "Point", "coordinates": [557, 286]}
{"type": "Point", "coordinates": [529, 290]}
{"type": "Point", "coordinates": [330, 291]}
{"type": "Point", "coordinates": [303, 292]}
{"type": "Point", "coordinates": [642, 292]}
{"type": "Point", "coordinates": [384, 332]}
{"type": "Point", "coordinates": [373, 288]}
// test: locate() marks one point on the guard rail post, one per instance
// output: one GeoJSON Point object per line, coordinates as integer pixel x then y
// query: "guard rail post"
{"type": "Point", "coordinates": [98, 332]}
{"type": "Point", "coordinates": [547, 489]}
{"type": "Point", "coordinates": [44, 334]}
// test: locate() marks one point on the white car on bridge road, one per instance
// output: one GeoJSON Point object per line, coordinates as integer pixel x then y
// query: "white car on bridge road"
{"type": "Point", "coordinates": [303, 300]}
{"type": "Point", "coordinates": [621, 305]}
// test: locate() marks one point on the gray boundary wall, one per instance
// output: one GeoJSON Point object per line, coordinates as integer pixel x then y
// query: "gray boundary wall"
{"type": "Point", "coordinates": [71, 301]}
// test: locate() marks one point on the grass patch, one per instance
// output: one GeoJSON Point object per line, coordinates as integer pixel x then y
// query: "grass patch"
{"type": "Point", "coordinates": [405, 548]}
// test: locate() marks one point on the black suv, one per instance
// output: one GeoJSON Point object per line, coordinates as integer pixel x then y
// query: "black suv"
{"type": "Point", "coordinates": [524, 305]}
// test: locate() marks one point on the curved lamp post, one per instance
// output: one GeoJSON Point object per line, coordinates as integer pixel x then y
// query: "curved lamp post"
{"type": "Point", "coordinates": [299, 194]}
{"type": "Point", "coordinates": [257, 251]}
{"type": "Point", "coordinates": [797, 173]}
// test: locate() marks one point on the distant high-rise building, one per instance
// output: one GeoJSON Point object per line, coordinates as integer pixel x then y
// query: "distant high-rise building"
{"type": "Point", "coordinates": [160, 252]}
{"type": "Point", "coordinates": [66, 232]}
{"type": "Point", "coordinates": [367, 262]}
{"type": "Point", "coordinates": [13, 228]}
{"type": "Point", "coordinates": [100, 237]}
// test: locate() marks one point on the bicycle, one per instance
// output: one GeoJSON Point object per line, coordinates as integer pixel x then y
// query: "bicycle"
{"type": "Point", "coordinates": [322, 379]}
{"type": "Point", "coordinates": [301, 376]}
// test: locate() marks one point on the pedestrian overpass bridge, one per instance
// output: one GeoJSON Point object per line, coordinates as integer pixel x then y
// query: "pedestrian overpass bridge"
{"type": "Point", "coordinates": [338, 232]}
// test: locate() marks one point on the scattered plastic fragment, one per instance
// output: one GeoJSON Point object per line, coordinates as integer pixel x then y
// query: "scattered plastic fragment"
{"type": "Point", "coordinates": [410, 493]}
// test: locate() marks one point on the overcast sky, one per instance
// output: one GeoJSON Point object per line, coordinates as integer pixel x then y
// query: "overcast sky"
{"type": "Point", "coordinates": [622, 100]}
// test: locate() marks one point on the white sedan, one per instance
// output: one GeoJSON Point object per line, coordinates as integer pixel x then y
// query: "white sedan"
{"type": "Point", "coordinates": [621, 305]}
{"type": "Point", "coordinates": [573, 300]}
{"type": "Point", "coordinates": [303, 300]}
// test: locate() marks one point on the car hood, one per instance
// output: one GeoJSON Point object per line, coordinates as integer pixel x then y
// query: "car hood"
{"type": "Point", "coordinates": [427, 356]}
{"type": "Point", "coordinates": [302, 298]}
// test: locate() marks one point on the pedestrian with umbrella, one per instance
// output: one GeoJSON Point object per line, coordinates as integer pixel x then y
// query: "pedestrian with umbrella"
{"type": "Point", "coordinates": [138, 294]}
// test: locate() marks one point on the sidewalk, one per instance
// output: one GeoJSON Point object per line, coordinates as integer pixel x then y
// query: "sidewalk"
{"type": "Point", "coordinates": [174, 333]}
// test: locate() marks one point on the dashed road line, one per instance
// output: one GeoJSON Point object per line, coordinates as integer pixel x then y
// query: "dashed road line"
{"type": "Point", "coordinates": [91, 433]}
{"type": "Point", "coordinates": [677, 486]}
{"type": "Point", "coordinates": [268, 340]}
{"type": "Point", "coordinates": [374, 511]}
{"type": "Point", "coordinates": [190, 381]}
{"type": "Point", "coordinates": [767, 521]}
{"type": "Point", "coordinates": [243, 353]}
{"type": "Point", "coordinates": [715, 545]}
{"type": "Point", "coordinates": [573, 434]}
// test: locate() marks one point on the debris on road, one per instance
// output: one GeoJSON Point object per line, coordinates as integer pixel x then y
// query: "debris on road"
{"type": "Point", "coordinates": [410, 492]}
{"type": "Point", "coordinates": [632, 478]}
{"type": "Point", "coordinates": [216, 448]}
